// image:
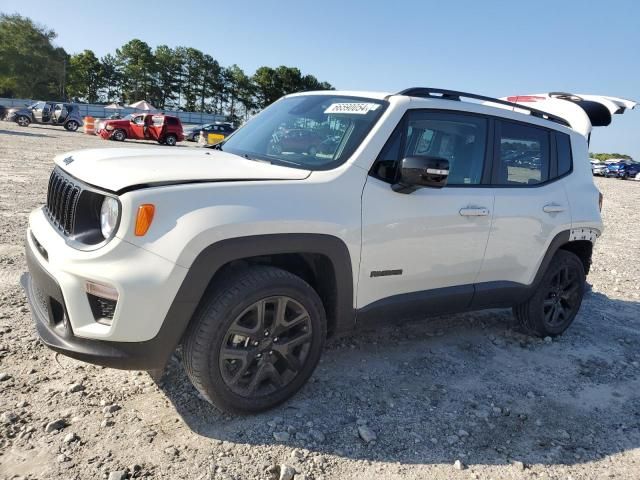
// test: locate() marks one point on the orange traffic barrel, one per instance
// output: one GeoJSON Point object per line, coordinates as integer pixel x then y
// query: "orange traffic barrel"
{"type": "Point", "coordinates": [89, 125]}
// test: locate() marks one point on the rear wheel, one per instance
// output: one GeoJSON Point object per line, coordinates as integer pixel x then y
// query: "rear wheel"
{"type": "Point", "coordinates": [119, 135]}
{"type": "Point", "coordinates": [71, 125]}
{"type": "Point", "coordinates": [170, 140]}
{"type": "Point", "coordinates": [557, 299]}
{"type": "Point", "coordinates": [23, 120]}
{"type": "Point", "coordinates": [255, 339]}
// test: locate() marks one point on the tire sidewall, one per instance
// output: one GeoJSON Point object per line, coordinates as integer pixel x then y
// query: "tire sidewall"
{"type": "Point", "coordinates": [170, 140]}
{"type": "Point", "coordinates": [117, 133]}
{"type": "Point", "coordinates": [297, 290]}
{"type": "Point", "coordinates": [561, 258]}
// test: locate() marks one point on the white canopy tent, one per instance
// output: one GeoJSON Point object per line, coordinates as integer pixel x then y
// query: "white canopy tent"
{"type": "Point", "coordinates": [143, 105]}
{"type": "Point", "coordinates": [114, 106]}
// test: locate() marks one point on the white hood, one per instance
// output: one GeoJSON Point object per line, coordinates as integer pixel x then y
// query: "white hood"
{"type": "Point", "coordinates": [117, 168]}
{"type": "Point", "coordinates": [583, 112]}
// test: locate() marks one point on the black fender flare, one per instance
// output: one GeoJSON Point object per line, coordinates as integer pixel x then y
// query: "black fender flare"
{"type": "Point", "coordinates": [210, 260]}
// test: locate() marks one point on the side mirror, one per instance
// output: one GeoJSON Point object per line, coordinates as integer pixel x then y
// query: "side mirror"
{"type": "Point", "coordinates": [421, 171]}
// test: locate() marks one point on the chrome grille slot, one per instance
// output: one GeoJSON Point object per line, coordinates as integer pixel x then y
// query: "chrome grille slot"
{"type": "Point", "coordinates": [62, 202]}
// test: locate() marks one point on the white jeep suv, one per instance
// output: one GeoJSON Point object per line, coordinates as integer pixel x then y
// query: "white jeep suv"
{"type": "Point", "coordinates": [326, 211]}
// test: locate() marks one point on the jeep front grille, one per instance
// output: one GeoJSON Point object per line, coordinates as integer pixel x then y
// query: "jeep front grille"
{"type": "Point", "coordinates": [62, 202]}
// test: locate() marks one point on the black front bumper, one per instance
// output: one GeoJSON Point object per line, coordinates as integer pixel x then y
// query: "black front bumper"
{"type": "Point", "coordinates": [50, 316]}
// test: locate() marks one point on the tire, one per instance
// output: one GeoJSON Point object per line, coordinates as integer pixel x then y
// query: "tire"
{"type": "Point", "coordinates": [71, 125]}
{"type": "Point", "coordinates": [557, 298]}
{"type": "Point", "coordinates": [119, 135]}
{"type": "Point", "coordinates": [23, 120]}
{"type": "Point", "coordinates": [170, 140]}
{"type": "Point", "coordinates": [234, 305]}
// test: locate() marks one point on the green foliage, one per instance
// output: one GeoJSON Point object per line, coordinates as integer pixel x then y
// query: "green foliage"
{"type": "Point", "coordinates": [167, 77]}
{"type": "Point", "coordinates": [30, 65]}
{"type": "Point", "coordinates": [177, 78]}
{"type": "Point", "coordinates": [272, 84]}
{"type": "Point", "coordinates": [601, 157]}
{"type": "Point", "coordinates": [136, 63]}
{"type": "Point", "coordinates": [239, 92]}
{"type": "Point", "coordinates": [111, 81]}
{"type": "Point", "coordinates": [85, 76]}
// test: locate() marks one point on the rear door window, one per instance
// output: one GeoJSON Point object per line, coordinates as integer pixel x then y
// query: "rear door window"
{"type": "Point", "coordinates": [522, 154]}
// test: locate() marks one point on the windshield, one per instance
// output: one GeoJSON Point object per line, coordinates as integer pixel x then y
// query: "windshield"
{"type": "Point", "coordinates": [315, 132]}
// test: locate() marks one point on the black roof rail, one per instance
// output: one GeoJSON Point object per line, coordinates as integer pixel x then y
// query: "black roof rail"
{"type": "Point", "coordinates": [443, 94]}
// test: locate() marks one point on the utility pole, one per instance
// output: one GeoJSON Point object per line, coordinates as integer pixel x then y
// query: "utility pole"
{"type": "Point", "coordinates": [64, 76]}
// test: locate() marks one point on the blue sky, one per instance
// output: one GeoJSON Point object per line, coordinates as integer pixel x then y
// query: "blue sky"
{"type": "Point", "coordinates": [495, 48]}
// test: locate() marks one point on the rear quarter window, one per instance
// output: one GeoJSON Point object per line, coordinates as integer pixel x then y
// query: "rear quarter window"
{"type": "Point", "coordinates": [563, 149]}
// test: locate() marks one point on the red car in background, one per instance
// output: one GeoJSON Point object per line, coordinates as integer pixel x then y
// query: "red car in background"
{"type": "Point", "coordinates": [165, 129]}
{"type": "Point", "coordinates": [298, 140]}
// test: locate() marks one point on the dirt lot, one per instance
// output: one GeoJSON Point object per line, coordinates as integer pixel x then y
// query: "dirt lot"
{"type": "Point", "coordinates": [466, 387]}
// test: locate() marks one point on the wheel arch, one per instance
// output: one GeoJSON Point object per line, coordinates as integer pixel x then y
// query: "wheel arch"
{"type": "Point", "coordinates": [322, 260]}
{"type": "Point", "coordinates": [583, 249]}
{"type": "Point", "coordinates": [569, 240]}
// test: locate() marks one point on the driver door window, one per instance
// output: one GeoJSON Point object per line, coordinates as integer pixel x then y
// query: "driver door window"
{"type": "Point", "coordinates": [459, 138]}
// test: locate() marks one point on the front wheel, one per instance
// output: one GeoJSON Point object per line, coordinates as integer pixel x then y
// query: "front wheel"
{"type": "Point", "coordinates": [119, 135]}
{"type": "Point", "coordinates": [557, 298]}
{"type": "Point", "coordinates": [71, 125]}
{"type": "Point", "coordinates": [23, 121]}
{"type": "Point", "coordinates": [255, 339]}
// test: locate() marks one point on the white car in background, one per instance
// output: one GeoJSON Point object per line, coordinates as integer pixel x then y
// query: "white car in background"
{"type": "Point", "coordinates": [598, 168]}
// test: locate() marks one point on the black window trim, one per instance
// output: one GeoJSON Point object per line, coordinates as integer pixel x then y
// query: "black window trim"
{"type": "Point", "coordinates": [492, 150]}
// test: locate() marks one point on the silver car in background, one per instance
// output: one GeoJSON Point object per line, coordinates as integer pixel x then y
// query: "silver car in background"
{"type": "Point", "coordinates": [66, 115]}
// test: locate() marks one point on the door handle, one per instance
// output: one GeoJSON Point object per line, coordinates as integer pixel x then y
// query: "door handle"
{"type": "Point", "coordinates": [474, 212]}
{"type": "Point", "coordinates": [552, 208]}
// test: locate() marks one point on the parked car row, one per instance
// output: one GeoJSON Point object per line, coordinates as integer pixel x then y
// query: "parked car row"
{"type": "Point", "coordinates": [622, 169]}
{"type": "Point", "coordinates": [165, 129]}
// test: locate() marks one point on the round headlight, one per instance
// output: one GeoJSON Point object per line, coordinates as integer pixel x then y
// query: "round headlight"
{"type": "Point", "coordinates": [109, 213]}
{"type": "Point", "coordinates": [109, 127]}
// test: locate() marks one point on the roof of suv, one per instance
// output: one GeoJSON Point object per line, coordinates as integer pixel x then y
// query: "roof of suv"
{"type": "Point", "coordinates": [579, 113]}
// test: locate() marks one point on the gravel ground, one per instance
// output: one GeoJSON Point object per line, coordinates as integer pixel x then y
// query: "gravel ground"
{"type": "Point", "coordinates": [455, 397]}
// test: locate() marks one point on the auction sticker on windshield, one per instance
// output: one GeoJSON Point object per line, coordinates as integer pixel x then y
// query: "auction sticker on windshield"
{"type": "Point", "coordinates": [351, 108]}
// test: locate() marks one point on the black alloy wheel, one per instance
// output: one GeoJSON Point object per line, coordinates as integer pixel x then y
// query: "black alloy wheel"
{"type": "Point", "coordinates": [265, 347]}
{"type": "Point", "coordinates": [563, 298]}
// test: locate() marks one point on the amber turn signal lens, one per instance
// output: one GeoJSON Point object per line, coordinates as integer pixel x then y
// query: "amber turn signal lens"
{"type": "Point", "coordinates": [144, 218]}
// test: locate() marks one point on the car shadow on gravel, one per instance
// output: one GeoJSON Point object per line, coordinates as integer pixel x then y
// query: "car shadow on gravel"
{"type": "Point", "coordinates": [472, 387]}
{"type": "Point", "coordinates": [22, 134]}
